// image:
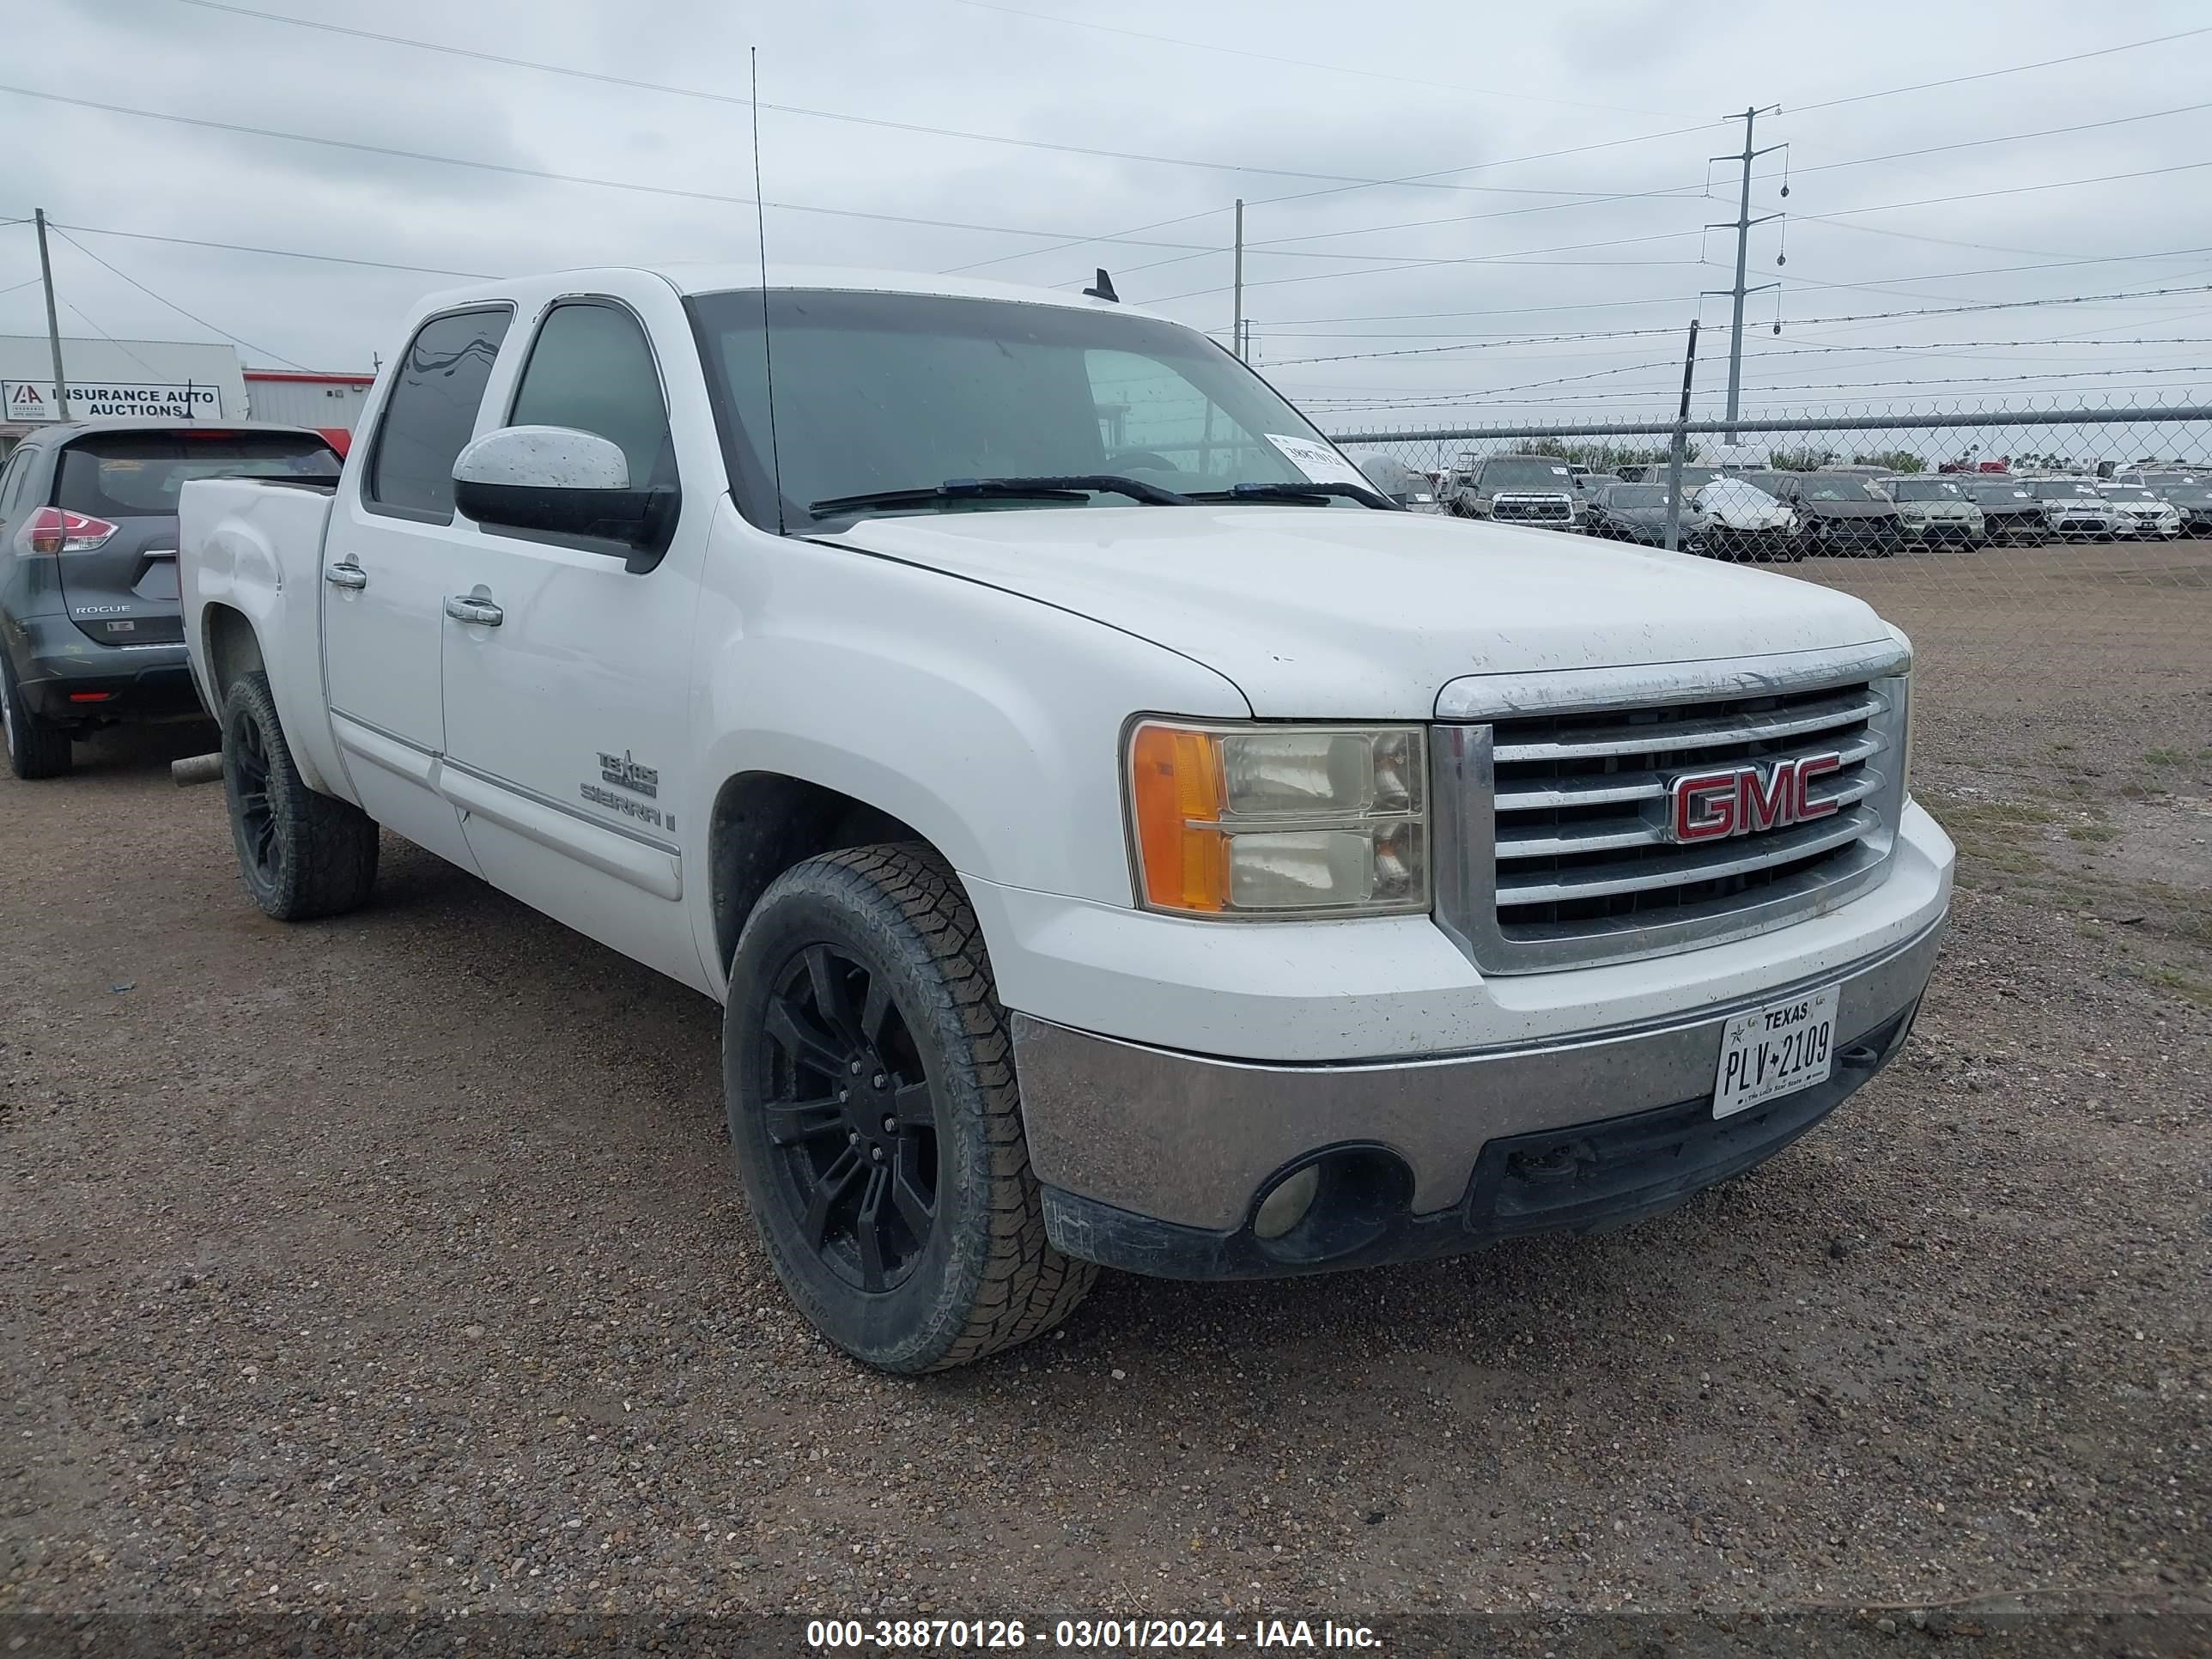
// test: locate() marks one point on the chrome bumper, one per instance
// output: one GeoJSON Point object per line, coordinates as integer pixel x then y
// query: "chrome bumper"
{"type": "Point", "coordinates": [1190, 1142]}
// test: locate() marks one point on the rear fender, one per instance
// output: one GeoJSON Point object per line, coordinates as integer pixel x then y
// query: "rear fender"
{"type": "Point", "coordinates": [247, 564]}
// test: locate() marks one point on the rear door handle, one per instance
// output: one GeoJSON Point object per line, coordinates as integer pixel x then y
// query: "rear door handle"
{"type": "Point", "coordinates": [467, 608]}
{"type": "Point", "coordinates": [343, 576]}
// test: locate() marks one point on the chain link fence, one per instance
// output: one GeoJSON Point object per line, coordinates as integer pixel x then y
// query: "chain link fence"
{"type": "Point", "coordinates": [2083, 570]}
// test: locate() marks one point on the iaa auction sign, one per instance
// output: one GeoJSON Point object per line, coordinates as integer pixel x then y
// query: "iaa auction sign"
{"type": "Point", "coordinates": [101, 400]}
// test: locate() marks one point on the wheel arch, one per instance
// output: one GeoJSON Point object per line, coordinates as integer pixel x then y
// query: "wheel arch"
{"type": "Point", "coordinates": [765, 822]}
{"type": "Point", "coordinates": [230, 647]}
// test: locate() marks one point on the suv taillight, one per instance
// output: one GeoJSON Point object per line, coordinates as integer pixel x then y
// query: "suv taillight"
{"type": "Point", "coordinates": [57, 529]}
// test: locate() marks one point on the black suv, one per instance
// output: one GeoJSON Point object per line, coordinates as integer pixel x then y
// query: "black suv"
{"type": "Point", "coordinates": [90, 630]}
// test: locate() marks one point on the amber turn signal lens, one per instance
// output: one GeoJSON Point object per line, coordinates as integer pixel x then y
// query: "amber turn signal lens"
{"type": "Point", "coordinates": [1175, 782]}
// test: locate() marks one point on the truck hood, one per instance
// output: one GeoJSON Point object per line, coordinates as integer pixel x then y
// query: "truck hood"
{"type": "Point", "coordinates": [1335, 614]}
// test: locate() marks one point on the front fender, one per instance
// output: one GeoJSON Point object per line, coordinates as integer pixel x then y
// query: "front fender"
{"type": "Point", "coordinates": [990, 722]}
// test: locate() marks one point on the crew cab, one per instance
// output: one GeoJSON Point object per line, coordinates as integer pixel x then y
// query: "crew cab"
{"type": "Point", "coordinates": [1115, 835]}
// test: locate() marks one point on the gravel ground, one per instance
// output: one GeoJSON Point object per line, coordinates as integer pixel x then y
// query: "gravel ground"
{"type": "Point", "coordinates": [395, 1263]}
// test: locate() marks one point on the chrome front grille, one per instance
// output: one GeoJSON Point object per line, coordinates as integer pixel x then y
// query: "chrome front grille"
{"type": "Point", "coordinates": [1554, 810]}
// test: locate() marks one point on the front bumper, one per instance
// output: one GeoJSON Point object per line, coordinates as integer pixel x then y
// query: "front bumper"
{"type": "Point", "coordinates": [63, 676]}
{"type": "Point", "coordinates": [1941, 532]}
{"type": "Point", "coordinates": [1155, 1160]}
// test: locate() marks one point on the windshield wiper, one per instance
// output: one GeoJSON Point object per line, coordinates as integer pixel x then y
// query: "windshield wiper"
{"type": "Point", "coordinates": [1074, 487]}
{"type": "Point", "coordinates": [1310, 490]}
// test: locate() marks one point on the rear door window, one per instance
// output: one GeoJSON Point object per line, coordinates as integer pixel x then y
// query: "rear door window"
{"type": "Point", "coordinates": [138, 475]}
{"type": "Point", "coordinates": [431, 414]}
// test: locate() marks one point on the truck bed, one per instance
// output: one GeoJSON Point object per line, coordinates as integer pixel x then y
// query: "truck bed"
{"type": "Point", "coordinates": [254, 546]}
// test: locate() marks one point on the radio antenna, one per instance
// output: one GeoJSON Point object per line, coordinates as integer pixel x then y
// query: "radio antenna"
{"type": "Point", "coordinates": [768, 351]}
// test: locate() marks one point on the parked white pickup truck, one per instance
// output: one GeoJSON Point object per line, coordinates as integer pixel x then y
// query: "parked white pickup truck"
{"type": "Point", "coordinates": [1114, 834]}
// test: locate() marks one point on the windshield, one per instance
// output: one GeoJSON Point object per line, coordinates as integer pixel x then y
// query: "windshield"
{"type": "Point", "coordinates": [1997, 493]}
{"type": "Point", "coordinates": [1924, 490]}
{"type": "Point", "coordinates": [1632, 494]}
{"type": "Point", "coordinates": [1694, 476]}
{"type": "Point", "coordinates": [904, 392]}
{"type": "Point", "coordinates": [2160, 480]}
{"type": "Point", "coordinates": [1524, 475]}
{"type": "Point", "coordinates": [1819, 488]}
{"type": "Point", "coordinates": [2061, 486]}
{"type": "Point", "coordinates": [2128, 493]}
{"type": "Point", "coordinates": [138, 475]}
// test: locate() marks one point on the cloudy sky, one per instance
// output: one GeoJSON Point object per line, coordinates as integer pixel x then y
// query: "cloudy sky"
{"type": "Point", "coordinates": [1507, 201]}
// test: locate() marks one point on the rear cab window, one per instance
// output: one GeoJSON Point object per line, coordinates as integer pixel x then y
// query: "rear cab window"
{"type": "Point", "coordinates": [430, 414]}
{"type": "Point", "coordinates": [138, 475]}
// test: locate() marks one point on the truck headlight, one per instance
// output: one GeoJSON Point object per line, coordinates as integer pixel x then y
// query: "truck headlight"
{"type": "Point", "coordinates": [1278, 822]}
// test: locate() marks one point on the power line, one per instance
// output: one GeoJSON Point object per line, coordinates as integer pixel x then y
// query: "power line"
{"type": "Point", "coordinates": [1885, 207]}
{"type": "Point", "coordinates": [581, 178]}
{"type": "Point", "coordinates": [1611, 143]}
{"type": "Point", "coordinates": [634, 84]}
{"type": "Point", "coordinates": [1809, 322]}
{"type": "Point", "coordinates": [110, 339]}
{"type": "Point", "coordinates": [1977, 143]}
{"type": "Point", "coordinates": [277, 253]}
{"type": "Point", "coordinates": [1345, 405]}
{"type": "Point", "coordinates": [1296, 63]}
{"type": "Point", "coordinates": [2068, 61]}
{"type": "Point", "coordinates": [1420, 265]}
{"type": "Point", "coordinates": [1696, 192]}
{"type": "Point", "coordinates": [211, 327]}
{"type": "Point", "coordinates": [1407, 180]}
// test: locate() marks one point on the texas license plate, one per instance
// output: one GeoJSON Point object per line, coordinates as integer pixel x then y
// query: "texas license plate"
{"type": "Point", "coordinates": [1772, 1050]}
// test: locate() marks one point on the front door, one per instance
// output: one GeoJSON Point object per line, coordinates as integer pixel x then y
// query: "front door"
{"type": "Point", "coordinates": [566, 685]}
{"type": "Point", "coordinates": [388, 566]}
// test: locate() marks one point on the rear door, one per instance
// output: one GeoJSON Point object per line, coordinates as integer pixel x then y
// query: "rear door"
{"type": "Point", "coordinates": [123, 486]}
{"type": "Point", "coordinates": [387, 566]}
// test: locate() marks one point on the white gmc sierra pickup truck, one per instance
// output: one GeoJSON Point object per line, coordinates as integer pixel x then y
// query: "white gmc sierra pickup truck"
{"type": "Point", "coordinates": [1114, 834]}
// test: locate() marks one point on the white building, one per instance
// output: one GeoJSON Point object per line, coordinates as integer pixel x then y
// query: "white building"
{"type": "Point", "coordinates": [166, 380]}
{"type": "Point", "coordinates": [330, 402]}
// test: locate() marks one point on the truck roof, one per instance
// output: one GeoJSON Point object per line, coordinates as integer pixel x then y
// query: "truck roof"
{"type": "Point", "coordinates": [715, 278]}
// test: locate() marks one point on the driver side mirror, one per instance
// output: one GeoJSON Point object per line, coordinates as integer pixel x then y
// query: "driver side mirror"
{"type": "Point", "coordinates": [556, 483]}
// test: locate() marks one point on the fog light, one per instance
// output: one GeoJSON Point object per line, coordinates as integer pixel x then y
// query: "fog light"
{"type": "Point", "coordinates": [1286, 1205]}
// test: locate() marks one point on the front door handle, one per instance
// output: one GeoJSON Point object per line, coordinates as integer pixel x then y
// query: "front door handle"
{"type": "Point", "coordinates": [468, 608]}
{"type": "Point", "coordinates": [345, 575]}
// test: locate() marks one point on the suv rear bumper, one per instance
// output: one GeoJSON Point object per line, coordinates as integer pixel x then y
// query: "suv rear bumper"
{"type": "Point", "coordinates": [63, 677]}
{"type": "Point", "coordinates": [1155, 1162]}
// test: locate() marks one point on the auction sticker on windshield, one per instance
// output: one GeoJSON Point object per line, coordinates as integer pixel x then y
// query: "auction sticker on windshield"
{"type": "Point", "coordinates": [1772, 1050]}
{"type": "Point", "coordinates": [1318, 461]}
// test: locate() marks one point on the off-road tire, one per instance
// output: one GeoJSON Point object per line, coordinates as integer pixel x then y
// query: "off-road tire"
{"type": "Point", "coordinates": [312, 855]}
{"type": "Point", "coordinates": [37, 748]}
{"type": "Point", "coordinates": [986, 1276]}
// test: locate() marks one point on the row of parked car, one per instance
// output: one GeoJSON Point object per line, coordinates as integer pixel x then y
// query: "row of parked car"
{"type": "Point", "coordinates": [1772, 514]}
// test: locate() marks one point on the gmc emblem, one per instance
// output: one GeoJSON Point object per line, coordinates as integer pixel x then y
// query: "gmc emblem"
{"type": "Point", "coordinates": [1714, 805]}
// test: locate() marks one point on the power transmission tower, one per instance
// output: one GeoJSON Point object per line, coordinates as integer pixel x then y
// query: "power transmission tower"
{"type": "Point", "coordinates": [1742, 225]}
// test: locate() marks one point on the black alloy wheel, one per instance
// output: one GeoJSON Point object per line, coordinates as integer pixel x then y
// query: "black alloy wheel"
{"type": "Point", "coordinates": [848, 1108]}
{"type": "Point", "coordinates": [301, 854]}
{"type": "Point", "coordinates": [876, 1118]}
{"type": "Point", "coordinates": [256, 815]}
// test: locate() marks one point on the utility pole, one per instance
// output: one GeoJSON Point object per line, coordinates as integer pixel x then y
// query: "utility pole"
{"type": "Point", "coordinates": [1675, 450]}
{"type": "Point", "coordinates": [1741, 224]}
{"type": "Point", "coordinates": [1237, 330]}
{"type": "Point", "coordinates": [53, 319]}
